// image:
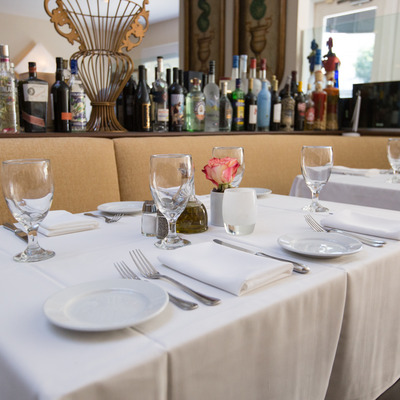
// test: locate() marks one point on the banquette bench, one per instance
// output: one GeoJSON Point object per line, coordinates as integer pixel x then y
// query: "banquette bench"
{"type": "Point", "coordinates": [90, 171]}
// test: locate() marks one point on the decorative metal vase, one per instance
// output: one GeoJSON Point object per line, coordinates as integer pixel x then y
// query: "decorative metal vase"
{"type": "Point", "coordinates": [103, 29]}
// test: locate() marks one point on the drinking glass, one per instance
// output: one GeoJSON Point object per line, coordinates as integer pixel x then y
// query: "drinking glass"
{"type": "Point", "coordinates": [239, 210]}
{"type": "Point", "coordinates": [28, 190]}
{"type": "Point", "coordinates": [393, 154]}
{"type": "Point", "coordinates": [316, 167]}
{"type": "Point", "coordinates": [233, 152]}
{"type": "Point", "coordinates": [171, 182]}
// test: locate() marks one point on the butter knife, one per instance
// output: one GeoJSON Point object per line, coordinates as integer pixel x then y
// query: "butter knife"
{"type": "Point", "coordinates": [18, 232]}
{"type": "Point", "coordinates": [297, 267]}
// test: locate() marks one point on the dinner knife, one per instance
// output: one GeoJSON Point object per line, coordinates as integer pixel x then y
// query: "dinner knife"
{"type": "Point", "coordinates": [18, 232]}
{"type": "Point", "coordinates": [297, 267]}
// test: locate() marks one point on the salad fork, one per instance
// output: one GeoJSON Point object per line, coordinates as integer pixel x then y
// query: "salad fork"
{"type": "Point", "coordinates": [148, 271]}
{"type": "Point", "coordinates": [127, 273]}
{"type": "Point", "coordinates": [109, 220]}
{"type": "Point", "coordinates": [363, 239]}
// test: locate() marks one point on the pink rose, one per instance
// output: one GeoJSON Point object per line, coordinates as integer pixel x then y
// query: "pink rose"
{"type": "Point", "coordinates": [221, 171]}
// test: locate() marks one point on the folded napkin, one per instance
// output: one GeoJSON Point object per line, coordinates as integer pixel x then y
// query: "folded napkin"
{"type": "Point", "coordinates": [338, 169]}
{"type": "Point", "coordinates": [362, 223]}
{"type": "Point", "coordinates": [227, 269]}
{"type": "Point", "coordinates": [60, 222]}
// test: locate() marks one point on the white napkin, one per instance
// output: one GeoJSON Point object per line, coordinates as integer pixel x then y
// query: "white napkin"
{"type": "Point", "coordinates": [338, 169]}
{"type": "Point", "coordinates": [363, 223]}
{"type": "Point", "coordinates": [228, 269]}
{"type": "Point", "coordinates": [60, 222]}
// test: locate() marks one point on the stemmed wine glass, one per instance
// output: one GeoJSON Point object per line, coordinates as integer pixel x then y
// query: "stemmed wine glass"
{"type": "Point", "coordinates": [393, 154]}
{"type": "Point", "coordinates": [233, 152]}
{"type": "Point", "coordinates": [171, 182]}
{"type": "Point", "coordinates": [28, 190]}
{"type": "Point", "coordinates": [316, 167]}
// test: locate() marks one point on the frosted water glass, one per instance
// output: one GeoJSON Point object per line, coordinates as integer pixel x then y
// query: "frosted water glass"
{"type": "Point", "coordinates": [239, 211]}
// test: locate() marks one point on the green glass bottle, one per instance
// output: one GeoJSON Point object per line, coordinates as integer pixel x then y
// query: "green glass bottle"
{"type": "Point", "coordinates": [238, 108]}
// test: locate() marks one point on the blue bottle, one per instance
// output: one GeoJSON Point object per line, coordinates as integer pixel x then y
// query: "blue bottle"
{"type": "Point", "coordinates": [263, 107]}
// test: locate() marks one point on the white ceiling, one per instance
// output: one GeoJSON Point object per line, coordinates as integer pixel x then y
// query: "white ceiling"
{"type": "Point", "coordinates": [160, 10]}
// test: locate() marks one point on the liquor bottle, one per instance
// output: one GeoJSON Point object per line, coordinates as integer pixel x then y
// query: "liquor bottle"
{"type": "Point", "coordinates": [119, 109]}
{"type": "Point", "coordinates": [160, 99]}
{"type": "Point", "coordinates": [66, 72]}
{"type": "Point", "coordinates": [185, 93]}
{"type": "Point", "coordinates": [33, 95]}
{"type": "Point", "coordinates": [142, 104]}
{"type": "Point", "coordinates": [211, 93]}
{"type": "Point", "coordinates": [332, 103]}
{"type": "Point", "coordinates": [195, 108]}
{"type": "Point", "coordinates": [234, 76]}
{"type": "Point", "coordinates": [225, 109]}
{"type": "Point", "coordinates": [250, 109]}
{"type": "Point", "coordinates": [237, 108]}
{"type": "Point", "coordinates": [128, 100]}
{"type": "Point", "coordinates": [310, 110]}
{"type": "Point", "coordinates": [9, 111]}
{"type": "Point", "coordinates": [263, 73]}
{"type": "Point", "coordinates": [300, 108]}
{"type": "Point", "coordinates": [77, 100]}
{"type": "Point", "coordinates": [288, 103]}
{"type": "Point", "coordinates": [61, 113]}
{"type": "Point", "coordinates": [293, 85]}
{"type": "Point", "coordinates": [276, 107]}
{"type": "Point", "coordinates": [176, 100]}
{"type": "Point", "coordinates": [264, 108]}
{"type": "Point", "coordinates": [319, 97]}
{"type": "Point", "coordinates": [253, 75]}
{"type": "Point", "coordinates": [17, 104]}
{"type": "Point", "coordinates": [243, 73]}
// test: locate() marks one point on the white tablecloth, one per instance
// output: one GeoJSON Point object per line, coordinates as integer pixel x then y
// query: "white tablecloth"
{"type": "Point", "coordinates": [374, 191]}
{"type": "Point", "coordinates": [278, 342]}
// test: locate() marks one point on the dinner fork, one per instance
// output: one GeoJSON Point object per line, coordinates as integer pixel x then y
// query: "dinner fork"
{"type": "Point", "coordinates": [147, 270]}
{"type": "Point", "coordinates": [109, 220]}
{"type": "Point", "coordinates": [319, 228]}
{"type": "Point", "coordinates": [127, 273]}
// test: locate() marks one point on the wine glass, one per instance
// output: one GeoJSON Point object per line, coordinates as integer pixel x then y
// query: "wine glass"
{"type": "Point", "coordinates": [233, 152]}
{"type": "Point", "coordinates": [28, 190]}
{"type": "Point", "coordinates": [393, 154]}
{"type": "Point", "coordinates": [316, 167]}
{"type": "Point", "coordinates": [171, 182]}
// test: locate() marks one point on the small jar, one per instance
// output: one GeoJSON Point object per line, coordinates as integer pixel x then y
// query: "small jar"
{"type": "Point", "coordinates": [149, 218]}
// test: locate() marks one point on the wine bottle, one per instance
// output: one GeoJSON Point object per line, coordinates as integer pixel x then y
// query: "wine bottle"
{"type": "Point", "coordinates": [288, 103]}
{"type": "Point", "coordinates": [293, 85]}
{"type": "Point", "coordinates": [195, 108]}
{"type": "Point", "coordinates": [253, 75]}
{"type": "Point", "coordinates": [276, 107]}
{"type": "Point", "coordinates": [300, 108]}
{"type": "Point", "coordinates": [77, 100]}
{"type": "Point", "coordinates": [61, 114]}
{"type": "Point", "coordinates": [128, 99]}
{"type": "Point", "coordinates": [264, 108]}
{"type": "Point", "coordinates": [250, 109]}
{"type": "Point", "coordinates": [211, 93]}
{"type": "Point", "coordinates": [237, 108]}
{"type": "Point", "coordinates": [225, 109]}
{"type": "Point", "coordinates": [33, 95]}
{"type": "Point", "coordinates": [160, 99]}
{"type": "Point", "coordinates": [176, 104]}
{"type": "Point", "coordinates": [142, 103]}
{"type": "Point", "coordinates": [185, 93]}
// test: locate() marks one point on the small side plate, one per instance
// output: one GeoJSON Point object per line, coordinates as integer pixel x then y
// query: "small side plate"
{"type": "Point", "coordinates": [261, 192]}
{"type": "Point", "coordinates": [121, 207]}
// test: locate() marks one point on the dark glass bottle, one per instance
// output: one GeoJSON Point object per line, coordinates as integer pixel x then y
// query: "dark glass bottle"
{"type": "Point", "coordinates": [142, 103]}
{"type": "Point", "coordinates": [237, 108]}
{"type": "Point", "coordinates": [300, 109]}
{"type": "Point", "coordinates": [160, 99]}
{"type": "Point", "coordinates": [128, 97]}
{"type": "Point", "coordinates": [293, 85]}
{"type": "Point", "coordinates": [176, 104]}
{"type": "Point", "coordinates": [168, 78]}
{"type": "Point", "coordinates": [60, 101]}
{"type": "Point", "coordinates": [250, 109]}
{"type": "Point", "coordinates": [276, 107]}
{"type": "Point", "coordinates": [288, 105]}
{"type": "Point", "coordinates": [33, 97]}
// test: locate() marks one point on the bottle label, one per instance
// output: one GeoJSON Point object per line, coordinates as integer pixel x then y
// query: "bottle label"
{"type": "Point", "coordinates": [34, 120]}
{"type": "Point", "coordinates": [162, 115]}
{"type": "Point", "coordinates": [66, 116]}
{"type": "Point", "coordinates": [146, 116]}
{"type": "Point", "coordinates": [276, 117]}
{"type": "Point", "coordinates": [199, 110]}
{"type": "Point", "coordinates": [35, 93]}
{"type": "Point", "coordinates": [253, 114]}
{"type": "Point", "coordinates": [301, 109]}
{"type": "Point", "coordinates": [310, 115]}
{"type": "Point", "coordinates": [239, 116]}
{"type": "Point", "coordinates": [177, 109]}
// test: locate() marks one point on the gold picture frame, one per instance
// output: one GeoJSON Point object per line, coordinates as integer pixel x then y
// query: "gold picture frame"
{"type": "Point", "coordinates": [205, 35]}
{"type": "Point", "coordinates": [260, 32]}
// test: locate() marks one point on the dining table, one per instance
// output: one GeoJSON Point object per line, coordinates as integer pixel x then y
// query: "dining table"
{"type": "Point", "coordinates": [329, 334]}
{"type": "Point", "coordinates": [366, 187]}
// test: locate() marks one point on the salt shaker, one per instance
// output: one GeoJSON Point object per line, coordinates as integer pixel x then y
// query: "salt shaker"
{"type": "Point", "coordinates": [149, 218]}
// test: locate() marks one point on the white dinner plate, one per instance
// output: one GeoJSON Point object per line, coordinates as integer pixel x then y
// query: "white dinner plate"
{"type": "Point", "coordinates": [105, 305]}
{"type": "Point", "coordinates": [262, 191]}
{"type": "Point", "coordinates": [123, 207]}
{"type": "Point", "coordinates": [320, 244]}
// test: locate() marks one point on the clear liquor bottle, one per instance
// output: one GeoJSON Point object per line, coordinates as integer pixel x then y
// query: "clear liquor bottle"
{"type": "Point", "coordinates": [253, 75]}
{"type": "Point", "coordinates": [211, 93]}
{"type": "Point", "coordinates": [225, 109]}
{"type": "Point", "coordinates": [250, 109]}
{"type": "Point", "coordinates": [77, 100]}
{"type": "Point", "coordinates": [288, 104]}
{"type": "Point", "coordinates": [33, 96]}
{"type": "Point", "coordinates": [9, 112]}
{"type": "Point", "coordinates": [237, 108]}
{"type": "Point", "coordinates": [234, 76]}
{"type": "Point", "coordinates": [176, 99]}
{"type": "Point", "coordinates": [160, 99]}
{"type": "Point", "coordinates": [243, 73]}
{"type": "Point", "coordinates": [195, 108]}
{"type": "Point", "coordinates": [263, 73]}
{"type": "Point", "coordinates": [264, 108]}
{"type": "Point", "coordinates": [142, 104]}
